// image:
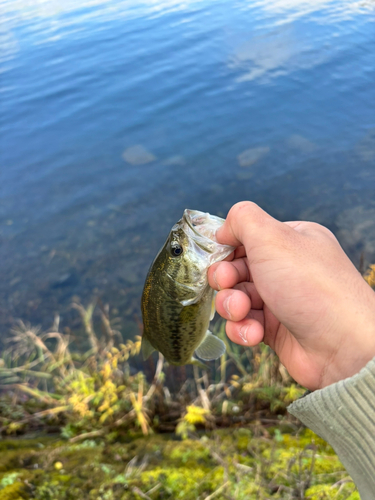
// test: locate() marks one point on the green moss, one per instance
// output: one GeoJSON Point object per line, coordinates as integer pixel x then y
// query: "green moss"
{"type": "Point", "coordinates": [243, 443]}
{"type": "Point", "coordinates": [327, 492]}
{"type": "Point", "coordinates": [14, 491]}
{"type": "Point", "coordinates": [253, 464]}
{"type": "Point", "coordinates": [26, 443]}
{"type": "Point", "coordinates": [179, 482]}
{"type": "Point", "coordinates": [8, 479]}
{"type": "Point", "coordinates": [306, 438]}
{"type": "Point", "coordinates": [327, 464]}
{"type": "Point", "coordinates": [50, 492]}
{"type": "Point", "coordinates": [187, 452]}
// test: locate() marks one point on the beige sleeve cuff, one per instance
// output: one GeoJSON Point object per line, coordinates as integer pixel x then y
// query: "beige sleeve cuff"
{"type": "Point", "coordinates": [344, 415]}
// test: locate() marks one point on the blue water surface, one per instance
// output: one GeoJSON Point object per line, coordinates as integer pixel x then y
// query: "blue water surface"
{"type": "Point", "coordinates": [116, 115]}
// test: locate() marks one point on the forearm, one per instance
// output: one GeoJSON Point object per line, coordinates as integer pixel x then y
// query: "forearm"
{"type": "Point", "coordinates": [344, 415]}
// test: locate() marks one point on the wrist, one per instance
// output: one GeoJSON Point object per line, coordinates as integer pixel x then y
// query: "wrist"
{"type": "Point", "coordinates": [356, 346]}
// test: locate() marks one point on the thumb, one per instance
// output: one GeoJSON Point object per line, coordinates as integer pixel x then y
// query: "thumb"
{"type": "Point", "coordinates": [247, 224]}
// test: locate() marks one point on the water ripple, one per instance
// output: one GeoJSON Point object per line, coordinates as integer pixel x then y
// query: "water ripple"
{"type": "Point", "coordinates": [117, 115]}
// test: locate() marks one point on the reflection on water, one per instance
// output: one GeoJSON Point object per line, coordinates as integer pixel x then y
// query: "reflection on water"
{"type": "Point", "coordinates": [266, 53]}
{"type": "Point", "coordinates": [117, 115]}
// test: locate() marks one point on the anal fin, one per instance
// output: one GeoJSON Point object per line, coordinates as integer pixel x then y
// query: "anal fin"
{"type": "Point", "coordinates": [211, 347]}
{"type": "Point", "coordinates": [198, 363]}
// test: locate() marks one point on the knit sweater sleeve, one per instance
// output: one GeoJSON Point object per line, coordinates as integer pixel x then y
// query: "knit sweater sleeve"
{"type": "Point", "coordinates": [344, 415]}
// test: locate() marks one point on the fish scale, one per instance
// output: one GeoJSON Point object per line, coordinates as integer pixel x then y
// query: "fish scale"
{"type": "Point", "coordinates": [177, 299]}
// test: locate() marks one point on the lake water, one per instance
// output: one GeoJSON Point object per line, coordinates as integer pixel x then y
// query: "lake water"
{"type": "Point", "coordinates": [116, 115]}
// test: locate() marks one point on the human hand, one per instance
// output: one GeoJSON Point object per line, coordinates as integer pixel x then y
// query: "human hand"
{"type": "Point", "coordinates": [292, 286]}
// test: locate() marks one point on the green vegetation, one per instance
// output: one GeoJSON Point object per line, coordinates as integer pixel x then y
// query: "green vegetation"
{"type": "Point", "coordinates": [370, 276]}
{"type": "Point", "coordinates": [230, 436]}
{"type": "Point", "coordinates": [97, 394]}
{"type": "Point", "coordinates": [247, 463]}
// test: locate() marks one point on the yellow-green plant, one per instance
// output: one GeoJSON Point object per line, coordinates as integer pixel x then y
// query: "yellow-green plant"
{"type": "Point", "coordinates": [93, 391]}
{"type": "Point", "coordinates": [194, 415]}
{"type": "Point", "coordinates": [370, 276]}
{"type": "Point", "coordinates": [106, 397]}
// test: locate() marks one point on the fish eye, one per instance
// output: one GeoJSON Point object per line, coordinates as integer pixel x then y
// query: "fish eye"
{"type": "Point", "coordinates": [176, 249]}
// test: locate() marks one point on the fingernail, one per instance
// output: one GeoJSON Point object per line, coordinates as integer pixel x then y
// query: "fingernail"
{"type": "Point", "coordinates": [216, 283]}
{"type": "Point", "coordinates": [243, 334]}
{"type": "Point", "coordinates": [226, 306]}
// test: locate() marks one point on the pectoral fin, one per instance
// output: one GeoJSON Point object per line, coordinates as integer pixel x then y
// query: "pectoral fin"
{"type": "Point", "coordinates": [213, 310]}
{"type": "Point", "coordinates": [211, 347]}
{"type": "Point", "coordinates": [146, 348]}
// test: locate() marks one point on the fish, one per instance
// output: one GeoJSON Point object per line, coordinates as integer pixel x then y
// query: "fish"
{"type": "Point", "coordinates": [177, 301]}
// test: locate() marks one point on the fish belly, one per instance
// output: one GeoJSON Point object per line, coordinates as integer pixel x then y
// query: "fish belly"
{"type": "Point", "coordinates": [174, 330]}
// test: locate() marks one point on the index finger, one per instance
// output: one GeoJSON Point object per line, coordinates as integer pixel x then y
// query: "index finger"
{"type": "Point", "coordinates": [228, 274]}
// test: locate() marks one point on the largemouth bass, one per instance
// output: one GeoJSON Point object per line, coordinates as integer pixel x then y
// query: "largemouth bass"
{"type": "Point", "coordinates": [177, 301]}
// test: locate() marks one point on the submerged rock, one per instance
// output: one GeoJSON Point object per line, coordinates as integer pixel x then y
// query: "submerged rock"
{"type": "Point", "coordinates": [301, 144]}
{"type": "Point", "coordinates": [252, 155]}
{"type": "Point", "coordinates": [138, 155]}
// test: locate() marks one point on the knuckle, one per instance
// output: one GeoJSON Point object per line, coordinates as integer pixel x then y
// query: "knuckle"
{"type": "Point", "coordinates": [314, 228]}
{"type": "Point", "coordinates": [327, 232]}
{"type": "Point", "coordinates": [248, 207]}
{"type": "Point", "coordinates": [245, 211]}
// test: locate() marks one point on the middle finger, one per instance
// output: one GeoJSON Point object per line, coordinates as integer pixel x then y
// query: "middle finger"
{"type": "Point", "coordinates": [234, 305]}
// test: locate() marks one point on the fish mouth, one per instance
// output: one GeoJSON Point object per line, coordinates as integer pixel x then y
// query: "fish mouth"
{"type": "Point", "coordinates": [201, 227]}
{"type": "Point", "coordinates": [201, 248]}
